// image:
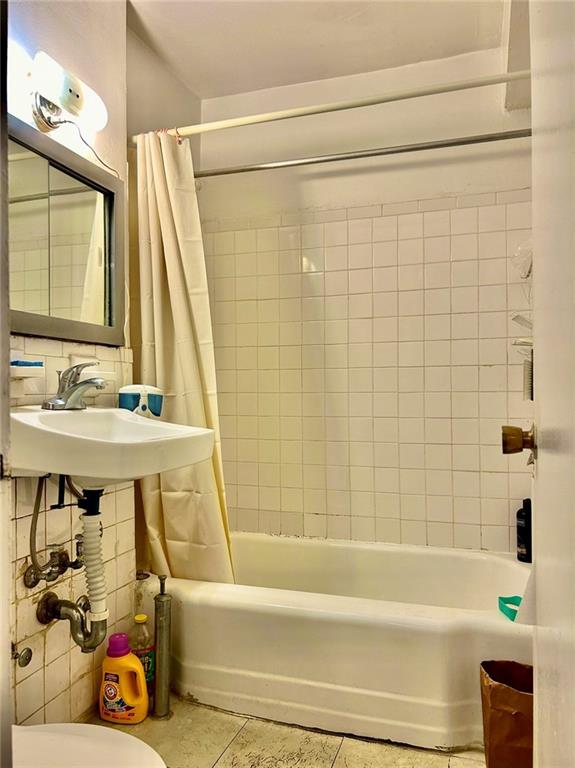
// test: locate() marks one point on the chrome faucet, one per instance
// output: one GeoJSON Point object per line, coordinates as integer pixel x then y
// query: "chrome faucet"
{"type": "Point", "coordinates": [71, 390]}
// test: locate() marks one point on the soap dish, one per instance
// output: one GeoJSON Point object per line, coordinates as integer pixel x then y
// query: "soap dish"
{"type": "Point", "coordinates": [27, 371]}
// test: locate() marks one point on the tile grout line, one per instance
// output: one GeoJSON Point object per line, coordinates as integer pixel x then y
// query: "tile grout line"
{"type": "Point", "coordinates": [338, 751]}
{"type": "Point", "coordinates": [230, 742]}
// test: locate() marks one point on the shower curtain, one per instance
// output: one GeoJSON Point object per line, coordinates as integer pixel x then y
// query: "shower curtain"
{"type": "Point", "coordinates": [93, 294]}
{"type": "Point", "coordinates": [185, 509]}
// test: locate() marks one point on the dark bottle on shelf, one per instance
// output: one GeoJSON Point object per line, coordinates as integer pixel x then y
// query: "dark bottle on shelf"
{"type": "Point", "coordinates": [524, 533]}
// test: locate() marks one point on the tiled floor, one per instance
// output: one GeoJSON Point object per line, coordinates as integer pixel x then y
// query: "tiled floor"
{"type": "Point", "coordinates": [199, 737]}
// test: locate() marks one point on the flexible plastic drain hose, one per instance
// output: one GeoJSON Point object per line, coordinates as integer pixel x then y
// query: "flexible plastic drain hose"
{"type": "Point", "coordinates": [94, 567]}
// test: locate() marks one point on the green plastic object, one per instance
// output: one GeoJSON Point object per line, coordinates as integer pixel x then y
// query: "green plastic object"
{"type": "Point", "coordinates": [509, 606]}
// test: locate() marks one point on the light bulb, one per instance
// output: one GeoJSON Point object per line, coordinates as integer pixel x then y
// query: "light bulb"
{"type": "Point", "coordinates": [77, 100]}
{"type": "Point", "coordinates": [19, 80]}
{"type": "Point", "coordinates": [94, 115]}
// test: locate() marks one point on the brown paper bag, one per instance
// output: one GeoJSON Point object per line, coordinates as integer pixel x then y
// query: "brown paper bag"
{"type": "Point", "coordinates": [507, 700]}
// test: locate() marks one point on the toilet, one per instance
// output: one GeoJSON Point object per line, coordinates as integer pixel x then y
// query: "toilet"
{"type": "Point", "coordinates": [78, 745]}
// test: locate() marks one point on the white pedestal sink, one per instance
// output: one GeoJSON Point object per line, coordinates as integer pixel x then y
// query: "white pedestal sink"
{"type": "Point", "coordinates": [98, 447]}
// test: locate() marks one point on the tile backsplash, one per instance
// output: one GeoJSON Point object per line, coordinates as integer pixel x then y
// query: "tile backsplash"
{"type": "Point", "coordinates": [365, 366]}
{"type": "Point", "coordinates": [61, 683]}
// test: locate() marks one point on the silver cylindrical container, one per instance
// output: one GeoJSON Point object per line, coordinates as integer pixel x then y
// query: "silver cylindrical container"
{"type": "Point", "coordinates": [163, 628]}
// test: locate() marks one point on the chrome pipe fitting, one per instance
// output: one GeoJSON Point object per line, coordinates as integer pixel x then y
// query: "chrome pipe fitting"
{"type": "Point", "coordinates": [86, 634]}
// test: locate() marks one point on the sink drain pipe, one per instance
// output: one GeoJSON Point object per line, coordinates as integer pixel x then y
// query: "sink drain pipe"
{"type": "Point", "coordinates": [93, 558]}
{"type": "Point", "coordinates": [88, 617]}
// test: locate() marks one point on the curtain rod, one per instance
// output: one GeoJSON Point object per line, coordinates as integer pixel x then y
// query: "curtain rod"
{"type": "Point", "coordinates": [461, 141]}
{"type": "Point", "coordinates": [338, 106]}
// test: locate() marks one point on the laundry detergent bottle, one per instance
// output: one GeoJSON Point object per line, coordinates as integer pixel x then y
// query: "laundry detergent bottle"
{"type": "Point", "coordinates": [123, 693]}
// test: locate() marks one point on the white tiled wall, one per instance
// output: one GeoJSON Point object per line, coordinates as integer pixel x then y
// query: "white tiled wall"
{"type": "Point", "coordinates": [365, 368]}
{"type": "Point", "coordinates": [47, 275]}
{"type": "Point", "coordinates": [29, 258]}
{"type": "Point", "coordinates": [61, 683]}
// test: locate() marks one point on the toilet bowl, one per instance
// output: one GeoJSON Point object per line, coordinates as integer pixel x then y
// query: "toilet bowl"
{"type": "Point", "coordinates": [76, 745]}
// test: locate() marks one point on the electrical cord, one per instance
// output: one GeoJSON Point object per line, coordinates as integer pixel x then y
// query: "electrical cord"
{"type": "Point", "coordinates": [91, 148]}
{"type": "Point", "coordinates": [83, 140]}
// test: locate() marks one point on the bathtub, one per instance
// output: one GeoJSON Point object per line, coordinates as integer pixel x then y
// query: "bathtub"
{"type": "Point", "coordinates": [376, 640]}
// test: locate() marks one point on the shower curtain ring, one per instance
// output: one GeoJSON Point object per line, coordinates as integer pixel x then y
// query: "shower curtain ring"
{"type": "Point", "coordinates": [178, 137]}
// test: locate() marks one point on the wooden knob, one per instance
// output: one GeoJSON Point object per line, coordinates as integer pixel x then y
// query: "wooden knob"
{"type": "Point", "coordinates": [515, 439]}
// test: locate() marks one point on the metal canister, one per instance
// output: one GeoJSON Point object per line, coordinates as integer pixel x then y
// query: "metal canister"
{"type": "Point", "coordinates": [163, 629]}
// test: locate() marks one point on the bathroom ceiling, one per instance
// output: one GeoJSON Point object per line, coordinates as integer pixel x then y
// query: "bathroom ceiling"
{"type": "Point", "coordinates": [218, 47]}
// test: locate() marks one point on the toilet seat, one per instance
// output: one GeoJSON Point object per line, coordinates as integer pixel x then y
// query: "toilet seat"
{"type": "Point", "coordinates": [78, 745]}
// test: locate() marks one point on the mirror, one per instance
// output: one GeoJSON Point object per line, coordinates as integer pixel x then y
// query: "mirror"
{"type": "Point", "coordinates": [65, 236]}
{"type": "Point", "coordinates": [57, 240]}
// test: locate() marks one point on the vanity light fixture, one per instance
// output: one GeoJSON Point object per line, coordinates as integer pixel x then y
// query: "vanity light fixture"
{"type": "Point", "coordinates": [59, 97]}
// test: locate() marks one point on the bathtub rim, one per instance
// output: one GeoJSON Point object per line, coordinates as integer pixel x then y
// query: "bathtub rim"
{"type": "Point", "coordinates": [420, 549]}
{"type": "Point", "coordinates": [361, 609]}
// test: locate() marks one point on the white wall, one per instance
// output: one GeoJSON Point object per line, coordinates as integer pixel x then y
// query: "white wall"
{"type": "Point", "coordinates": [437, 173]}
{"type": "Point", "coordinates": [365, 367]}
{"type": "Point", "coordinates": [60, 684]}
{"type": "Point", "coordinates": [156, 97]}
{"type": "Point", "coordinates": [553, 32]}
{"type": "Point", "coordinates": [6, 703]}
{"type": "Point", "coordinates": [361, 313]}
{"type": "Point", "coordinates": [89, 38]}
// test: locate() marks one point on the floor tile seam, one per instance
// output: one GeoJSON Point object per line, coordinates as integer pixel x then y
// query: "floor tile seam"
{"type": "Point", "coordinates": [338, 751]}
{"type": "Point", "coordinates": [230, 742]}
{"type": "Point", "coordinates": [460, 761]}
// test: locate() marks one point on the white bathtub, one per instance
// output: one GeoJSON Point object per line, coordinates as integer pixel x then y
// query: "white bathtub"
{"type": "Point", "coordinates": [377, 640]}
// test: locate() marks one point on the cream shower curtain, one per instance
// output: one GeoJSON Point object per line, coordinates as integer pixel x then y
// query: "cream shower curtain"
{"type": "Point", "coordinates": [93, 294]}
{"type": "Point", "coordinates": [184, 510]}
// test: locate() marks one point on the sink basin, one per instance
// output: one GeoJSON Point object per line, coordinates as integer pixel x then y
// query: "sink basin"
{"type": "Point", "coordinates": [102, 446]}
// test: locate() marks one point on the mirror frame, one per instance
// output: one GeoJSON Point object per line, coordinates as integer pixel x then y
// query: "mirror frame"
{"type": "Point", "coordinates": [62, 158]}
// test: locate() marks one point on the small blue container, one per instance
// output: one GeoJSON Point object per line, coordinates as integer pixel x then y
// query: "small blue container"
{"type": "Point", "coordinates": [142, 399]}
